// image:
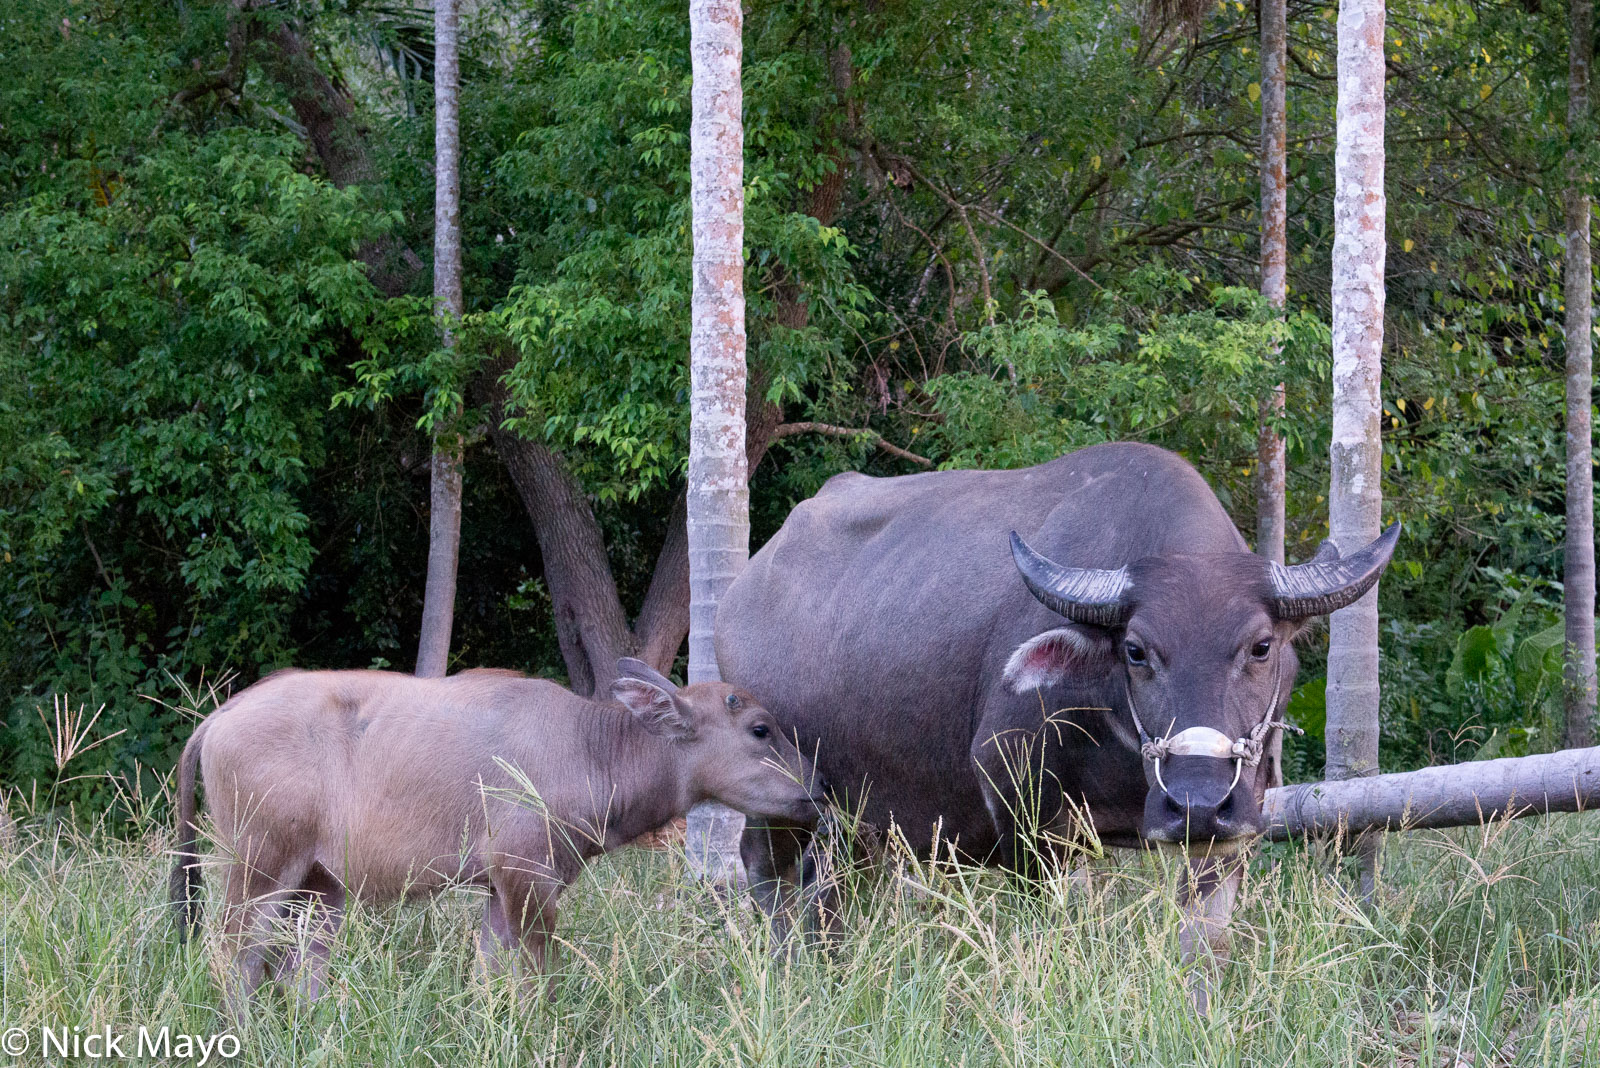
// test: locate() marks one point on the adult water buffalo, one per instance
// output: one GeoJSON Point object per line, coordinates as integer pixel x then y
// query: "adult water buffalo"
{"type": "Point", "coordinates": [324, 784]}
{"type": "Point", "coordinates": [1086, 641]}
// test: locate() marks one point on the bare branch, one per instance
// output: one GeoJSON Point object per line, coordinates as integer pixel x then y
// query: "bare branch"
{"type": "Point", "coordinates": [972, 235]}
{"type": "Point", "coordinates": [828, 429]}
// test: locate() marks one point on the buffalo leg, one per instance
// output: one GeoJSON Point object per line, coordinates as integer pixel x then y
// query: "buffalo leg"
{"type": "Point", "coordinates": [306, 964]}
{"type": "Point", "coordinates": [1206, 900]}
{"type": "Point", "coordinates": [839, 846]}
{"type": "Point", "coordinates": [773, 858]}
{"type": "Point", "coordinates": [1015, 787]}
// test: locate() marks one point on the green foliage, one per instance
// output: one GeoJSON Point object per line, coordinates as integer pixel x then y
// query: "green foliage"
{"type": "Point", "coordinates": [176, 312]}
{"type": "Point", "coordinates": [1499, 670]}
{"type": "Point", "coordinates": [165, 375]}
{"type": "Point", "coordinates": [989, 232]}
{"type": "Point", "coordinates": [588, 150]}
{"type": "Point", "coordinates": [1145, 365]}
{"type": "Point", "coordinates": [1491, 690]}
{"type": "Point", "coordinates": [600, 318]}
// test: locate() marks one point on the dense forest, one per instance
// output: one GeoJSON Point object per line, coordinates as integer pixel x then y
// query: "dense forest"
{"type": "Point", "coordinates": [977, 234]}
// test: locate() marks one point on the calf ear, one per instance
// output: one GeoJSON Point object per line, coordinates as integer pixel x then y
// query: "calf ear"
{"type": "Point", "coordinates": [1058, 655]}
{"type": "Point", "coordinates": [629, 668]}
{"type": "Point", "coordinates": [657, 710]}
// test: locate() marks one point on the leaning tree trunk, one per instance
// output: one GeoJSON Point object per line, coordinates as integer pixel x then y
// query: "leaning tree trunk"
{"type": "Point", "coordinates": [1579, 565]}
{"type": "Point", "coordinates": [1453, 795]}
{"type": "Point", "coordinates": [718, 494]}
{"type": "Point", "coordinates": [444, 522]}
{"type": "Point", "coordinates": [335, 133]}
{"type": "Point", "coordinates": [1355, 498]}
{"type": "Point", "coordinates": [1270, 474]}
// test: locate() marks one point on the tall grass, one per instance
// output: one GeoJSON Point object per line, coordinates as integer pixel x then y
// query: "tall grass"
{"type": "Point", "coordinates": [1482, 949]}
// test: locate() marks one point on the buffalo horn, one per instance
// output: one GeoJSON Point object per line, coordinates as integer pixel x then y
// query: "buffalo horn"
{"type": "Point", "coordinates": [1082, 594]}
{"type": "Point", "coordinates": [1329, 582]}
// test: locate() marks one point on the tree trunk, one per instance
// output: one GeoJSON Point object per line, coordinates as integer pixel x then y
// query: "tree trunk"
{"type": "Point", "coordinates": [340, 142]}
{"type": "Point", "coordinates": [718, 517]}
{"type": "Point", "coordinates": [444, 544]}
{"type": "Point", "coordinates": [1454, 795]}
{"type": "Point", "coordinates": [1579, 564]}
{"type": "Point", "coordinates": [444, 520]}
{"type": "Point", "coordinates": [1355, 497]}
{"type": "Point", "coordinates": [591, 626]}
{"type": "Point", "coordinates": [1270, 474]}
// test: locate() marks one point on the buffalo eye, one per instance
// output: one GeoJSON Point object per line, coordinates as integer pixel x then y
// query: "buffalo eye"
{"type": "Point", "coordinates": [1260, 649]}
{"type": "Point", "coordinates": [760, 730]}
{"type": "Point", "coordinates": [733, 702]}
{"type": "Point", "coordinates": [1134, 652]}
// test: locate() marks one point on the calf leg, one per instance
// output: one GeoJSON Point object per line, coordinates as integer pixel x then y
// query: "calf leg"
{"type": "Point", "coordinates": [1211, 886]}
{"type": "Point", "coordinates": [322, 899]}
{"type": "Point", "coordinates": [259, 886]}
{"type": "Point", "coordinates": [518, 921]}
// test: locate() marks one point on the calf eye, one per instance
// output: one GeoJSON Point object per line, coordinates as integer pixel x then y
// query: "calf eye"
{"type": "Point", "coordinates": [760, 730]}
{"type": "Point", "coordinates": [1260, 650]}
{"type": "Point", "coordinates": [1135, 652]}
{"type": "Point", "coordinates": [733, 701]}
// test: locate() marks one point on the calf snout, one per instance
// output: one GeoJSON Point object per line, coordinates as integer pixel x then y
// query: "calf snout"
{"type": "Point", "coordinates": [1200, 800]}
{"type": "Point", "coordinates": [809, 808]}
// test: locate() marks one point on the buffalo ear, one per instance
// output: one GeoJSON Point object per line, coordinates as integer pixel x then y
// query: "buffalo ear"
{"type": "Point", "coordinates": [657, 710]}
{"type": "Point", "coordinates": [1057, 656]}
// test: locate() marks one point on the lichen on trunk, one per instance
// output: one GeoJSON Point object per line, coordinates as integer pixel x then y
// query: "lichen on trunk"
{"type": "Point", "coordinates": [718, 491]}
{"type": "Point", "coordinates": [1578, 565]}
{"type": "Point", "coordinates": [1355, 497]}
{"type": "Point", "coordinates": [1270, 463]}
{"type": "Point", "coordinates": [444, 520]}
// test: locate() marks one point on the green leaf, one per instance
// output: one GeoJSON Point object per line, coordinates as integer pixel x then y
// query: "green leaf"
{"type": "Point", "coordinates": [1505, 628]}
{"type": "Point", "coordinates": [1491, 749]}
{"type": "Point", "coordinates": [1475, 653]}
{"type": "Point", "coordinates": [1308, 707]}
{"type": "Point", "coordinates": [1537, 666]}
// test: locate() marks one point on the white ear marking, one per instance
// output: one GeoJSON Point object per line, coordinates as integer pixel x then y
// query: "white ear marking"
{"type": "Point", "coordinates": [1046, 658]}
{"type": "Point", "coordinates": [655, 709]}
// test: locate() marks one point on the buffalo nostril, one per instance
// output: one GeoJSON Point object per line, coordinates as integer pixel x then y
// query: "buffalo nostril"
{"type": "Point", "coordinates": [1225, 810]}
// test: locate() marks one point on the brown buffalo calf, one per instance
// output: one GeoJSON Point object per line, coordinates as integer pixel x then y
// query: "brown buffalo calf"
{"type": "Point", "coordinates": [382, 785]}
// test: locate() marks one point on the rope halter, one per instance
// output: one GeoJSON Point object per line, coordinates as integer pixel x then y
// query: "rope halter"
{"type": "Point", "coordinates": [1210, 742]}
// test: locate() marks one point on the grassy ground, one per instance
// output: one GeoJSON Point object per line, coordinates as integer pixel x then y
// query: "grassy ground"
{"type": "Point", "coordinates": [1483, 949]}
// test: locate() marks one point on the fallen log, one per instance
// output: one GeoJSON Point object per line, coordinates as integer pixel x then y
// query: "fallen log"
{"type": "Point", "coordinates": [1451, 795]}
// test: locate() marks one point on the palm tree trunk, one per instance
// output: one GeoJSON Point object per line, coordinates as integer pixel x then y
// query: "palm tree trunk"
{"type": "Point", "coordinates": [1270, 474]}
{"type": "Point", "coordinates": [1355, 498]}
{"type": "Point", "coordinates": [718, 494]}
{"type": "Point", "coordinates": [1579, 564]}
{"type": "Point", "coordinates": [444, 522]}
{"type": "Point", "coordinates": [718, 491]}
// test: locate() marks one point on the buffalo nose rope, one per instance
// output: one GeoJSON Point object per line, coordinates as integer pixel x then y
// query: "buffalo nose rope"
{"type": "Point", "coordinates": [1210, 742]}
